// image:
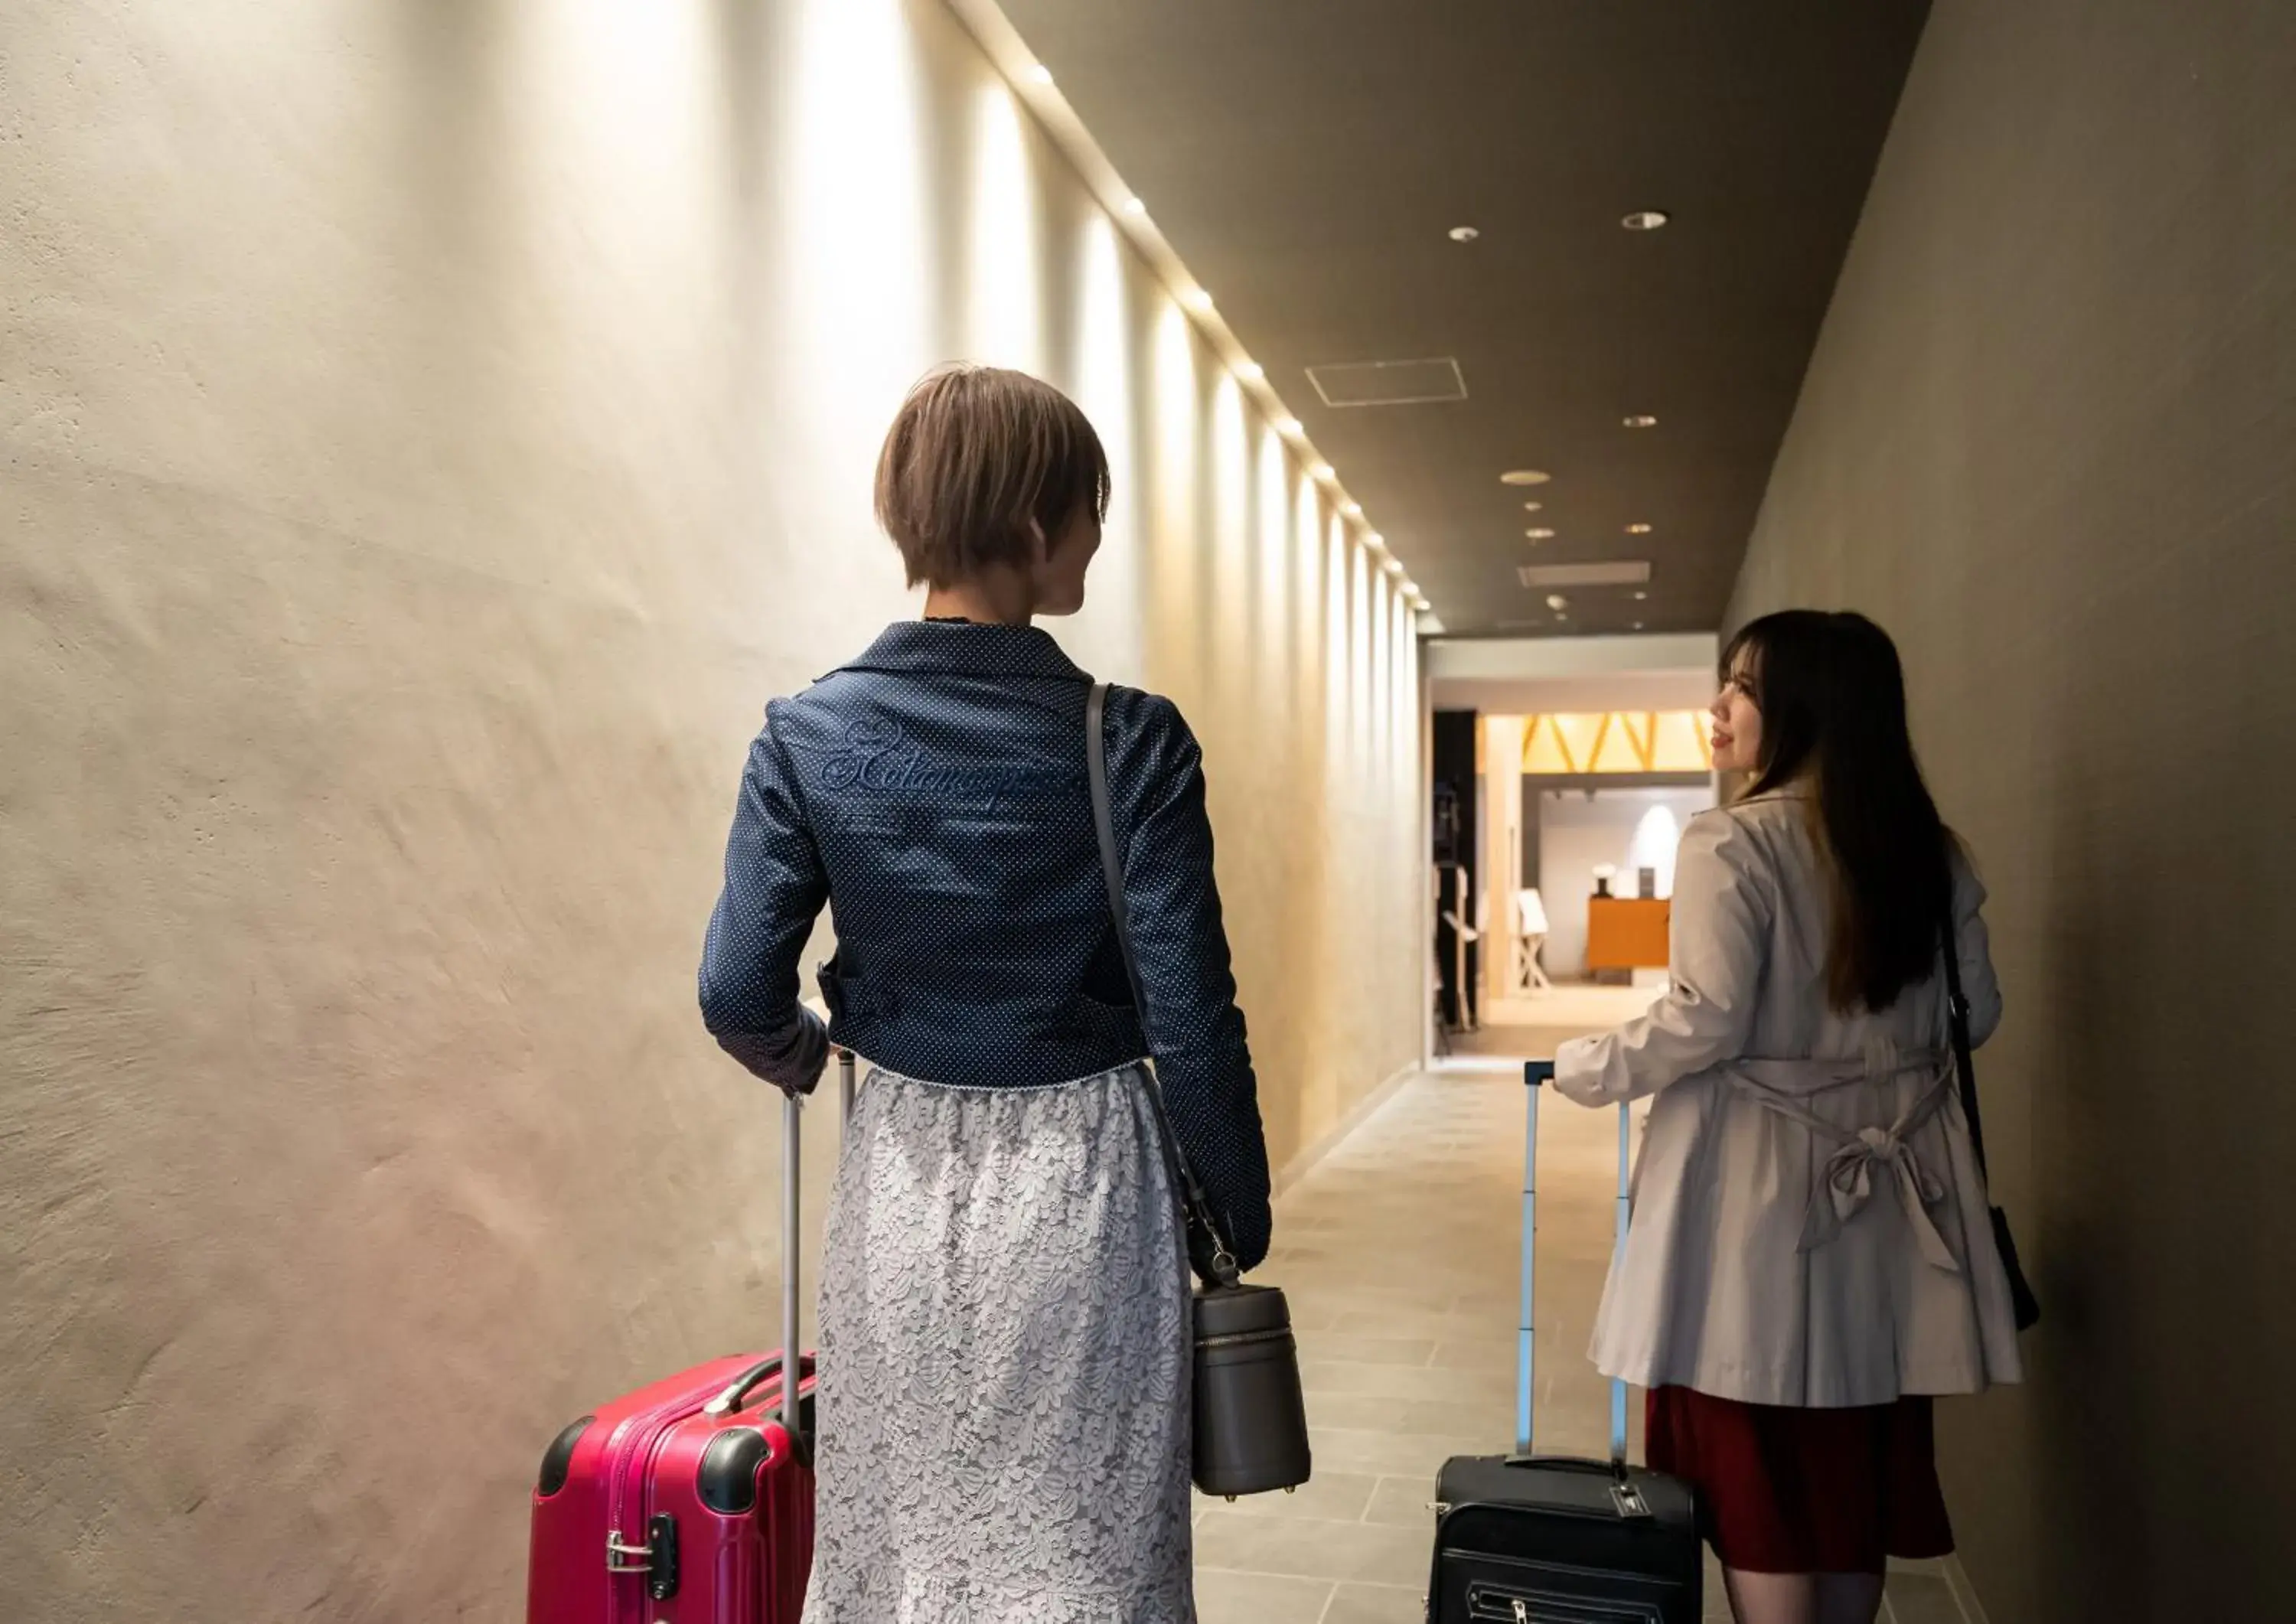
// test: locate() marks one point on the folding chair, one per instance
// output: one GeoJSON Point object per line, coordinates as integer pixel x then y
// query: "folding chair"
{"type": "Point", "coordinates": [1530, 936]}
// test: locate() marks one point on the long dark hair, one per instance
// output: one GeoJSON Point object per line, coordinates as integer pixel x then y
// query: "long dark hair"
{"type": "Point", "coordinates": [1832, 697]}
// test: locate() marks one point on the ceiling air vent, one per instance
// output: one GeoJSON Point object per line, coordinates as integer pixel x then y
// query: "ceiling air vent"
{"type": "Point", "coordinates": [1369, 383]}
{"type": "Point", "coordinates": [1634, 572]}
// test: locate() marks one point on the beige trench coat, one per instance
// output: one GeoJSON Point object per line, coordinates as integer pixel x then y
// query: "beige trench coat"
{"type": "Point", "coordinates": [1809, 1224]}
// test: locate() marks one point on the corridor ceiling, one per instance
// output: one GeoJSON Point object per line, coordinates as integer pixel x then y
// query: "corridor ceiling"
{"type": "Point", "coordinates": [1309, 160]}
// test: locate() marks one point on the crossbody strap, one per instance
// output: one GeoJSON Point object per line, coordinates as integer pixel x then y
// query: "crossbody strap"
{"type": "Point", "coordinates": [1111, 867]}
{"type": "Point", "coordinates": [1964, 1064]}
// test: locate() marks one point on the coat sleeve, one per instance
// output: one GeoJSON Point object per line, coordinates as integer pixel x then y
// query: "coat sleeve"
{"type": "Point", "coordinates": [1974, 945]}
{"type": "Point", "coordinates": [1721, 923]}
{"type": "Point", "coordinates": [1194, 1030]}
{"type": "Point", "coordinates": [774, 886]}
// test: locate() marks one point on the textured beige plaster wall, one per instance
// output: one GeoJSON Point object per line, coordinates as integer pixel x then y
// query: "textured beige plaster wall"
{"type": "Point", "coordinates": [428, 434]}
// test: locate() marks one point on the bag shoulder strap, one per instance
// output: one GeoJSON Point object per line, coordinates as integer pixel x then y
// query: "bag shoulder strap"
{"type": "Point", "coordinates": [1964, 1063]}
{"type": "Point", "coordinates": [1111, 867]}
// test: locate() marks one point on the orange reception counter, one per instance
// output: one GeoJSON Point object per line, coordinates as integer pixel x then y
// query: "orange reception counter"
{"type": "Point", "coordinates": [1627, 933]}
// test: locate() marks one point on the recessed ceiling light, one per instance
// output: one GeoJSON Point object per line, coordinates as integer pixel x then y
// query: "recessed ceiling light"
{"type": "Point", "coordinates": [1638, 626]}
{"type": "Point", "coordinates": [1556, 601]}
{"type": "Point", "coordinates": [1133, 205]}
{"type": "Point", "coordinates": [1638, 529]}
{"type": "Point", "coordinates": [1539, 533]}
{"type": "Point", "coordinates": [1200, 299]}
{"type": "Point", "coordinates": [1524, 476]}
{"type": "Point", "coordinates": [1642, 597]}
{"type": "Point", "coordinates": [1353, 510]}
{"type": "Point", "coordinates": [1464, 234]}
{"type": "Point", "coordinates": [1646, 219]}
{"type": "Point", "coordinates": [1251, 372]}
{"type": "Point", "coordinates": [1532, 507]}
{"type": "Point", "coordinates": [1287, 425]}
{"type": "Point", "coordinates": [1640, 420]}
{"type": "Point", "coordinates": [1040, 75]}
{"type": "Point", "coordinates": [1322, 471]}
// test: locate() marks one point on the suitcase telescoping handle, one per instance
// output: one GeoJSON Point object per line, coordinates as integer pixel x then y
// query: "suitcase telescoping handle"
{"type": "Point", "coordinates": [792, 1139]}
{"type": "Point", "coordinates": [793, 1169]}
{"type": "Point", "coordinates": [793, 1128]}
{"type": "Point", "coordinates": [1535, 1073]}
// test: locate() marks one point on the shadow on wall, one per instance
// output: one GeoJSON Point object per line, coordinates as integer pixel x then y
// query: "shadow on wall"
{"type": "Point", "coordinates": [2165, 1196]}
{"type": "Point", "coordinates": [2082, 1497]}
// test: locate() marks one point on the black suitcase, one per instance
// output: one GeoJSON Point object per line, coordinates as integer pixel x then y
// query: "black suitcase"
{"type": "Point", "coordinates": [1531, 1540]}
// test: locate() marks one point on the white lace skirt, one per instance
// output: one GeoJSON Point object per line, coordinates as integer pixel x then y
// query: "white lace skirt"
{"type": "Point", "coordinates": [1004, 1362]}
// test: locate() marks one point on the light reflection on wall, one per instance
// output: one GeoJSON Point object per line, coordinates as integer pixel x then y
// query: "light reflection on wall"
{"type": "Point", "coordinates": [611, 170]}
{"type": "Point", "coordinates": [1102, 348]}
{"type": "Point", "coordinates": [1274, 634]}
{"type": "Point", "coordinates": [1403, 705]}
{"type": "Point", "coordinates": [1231, 611]}
{"type": "Point", "coordinates": [1378, 632]}
{"type": "Point", "coordinates": [1360, 652]}
{"type": "Point", "coordinates": [1658, 838]}
{"type": "Point", "coordinates": [1005, 307]}
{"type": "Point", "coordinates": [1176, 569]}
{"type": "Point", "coordinates": [1312, 633]}
{"type": "Point", "coordinates": [1339, 650]}
{"type": "Point", "coordinates": [617, 86]}
{"type": "Point", "coordinates": [857, 257]}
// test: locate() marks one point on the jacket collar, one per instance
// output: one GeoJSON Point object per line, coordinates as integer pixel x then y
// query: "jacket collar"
{"type": "Point", "coordinates": [920, 648]}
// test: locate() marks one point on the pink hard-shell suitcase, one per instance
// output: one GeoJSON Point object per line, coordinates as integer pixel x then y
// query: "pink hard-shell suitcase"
{"type": "Point", "coordinates": [690, 1501]}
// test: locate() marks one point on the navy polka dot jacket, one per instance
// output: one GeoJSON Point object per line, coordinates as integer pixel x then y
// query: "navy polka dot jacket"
{"type": "Point", "coordinates": [932, 793]}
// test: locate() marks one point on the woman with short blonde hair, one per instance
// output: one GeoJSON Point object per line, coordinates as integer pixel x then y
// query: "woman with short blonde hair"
{"type": "Point", "coordinates": [1004, 1426]}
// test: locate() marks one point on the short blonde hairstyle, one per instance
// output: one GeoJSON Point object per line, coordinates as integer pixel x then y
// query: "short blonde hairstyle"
{"type": "Point", "coordinates": [973, 456]}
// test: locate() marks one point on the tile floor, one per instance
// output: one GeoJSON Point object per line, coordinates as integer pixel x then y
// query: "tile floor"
{"type": "Point", "coordinates": [1399, 1255]}
{"type": "Point", "coordinates": [1579, 1006]}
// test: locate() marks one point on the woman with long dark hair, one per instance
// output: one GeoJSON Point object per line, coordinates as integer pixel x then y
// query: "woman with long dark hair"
{"type": "Point", "coordinates": [1810, 1258]}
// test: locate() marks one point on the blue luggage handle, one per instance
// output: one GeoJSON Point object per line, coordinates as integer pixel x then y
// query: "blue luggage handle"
{"type": "Point", "coordinates": [1535, 1072]}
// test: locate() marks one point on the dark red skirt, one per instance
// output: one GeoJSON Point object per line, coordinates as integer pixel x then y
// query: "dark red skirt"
{"type": "Point", "coordinates": [1785, 1491]}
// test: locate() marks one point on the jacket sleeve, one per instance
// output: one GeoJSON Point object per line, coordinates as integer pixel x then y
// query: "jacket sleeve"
{"type": "Point", "coordinates": [1194, 1030]}
{"type": "Point", "coordinates": [774, 886]}
{"type": "Point", "coordinates": [1974, 945]}
{"type": "Point", "coordinates": [1721, 928]}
